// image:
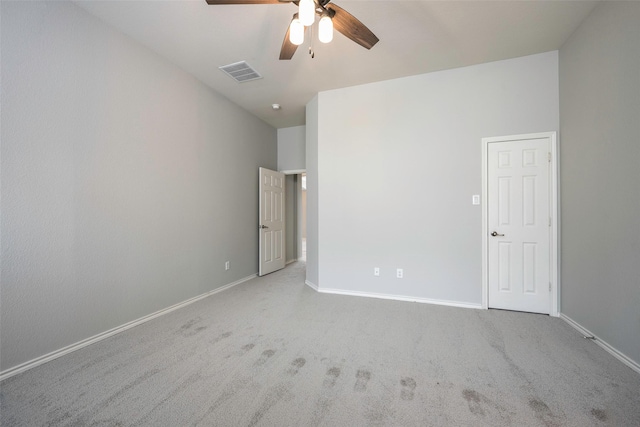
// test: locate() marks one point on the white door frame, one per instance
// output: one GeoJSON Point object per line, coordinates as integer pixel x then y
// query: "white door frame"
{"type": "Point", "coordinates": [554, 212]}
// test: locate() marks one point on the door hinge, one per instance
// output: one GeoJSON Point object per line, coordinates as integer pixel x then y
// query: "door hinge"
{"type": "Point", "coordinates": [549, 156]}
{"type": "Point", "coordinates": [549, 221]}
{"type": "Point", "coordinates": [549, 286]}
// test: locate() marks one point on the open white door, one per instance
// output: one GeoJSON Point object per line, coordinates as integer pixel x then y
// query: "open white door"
{"type": "Point", "coordinates": [272, 249]}
{"type": "Point", "coordinates": [519, 229]}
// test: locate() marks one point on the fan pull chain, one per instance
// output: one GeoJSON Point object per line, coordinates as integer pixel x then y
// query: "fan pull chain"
{"type": "Point", "coordinates": [311, 52]}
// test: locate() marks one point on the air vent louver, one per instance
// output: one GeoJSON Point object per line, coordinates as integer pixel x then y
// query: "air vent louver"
{"type": "Point", "coordinates": [241, 72]}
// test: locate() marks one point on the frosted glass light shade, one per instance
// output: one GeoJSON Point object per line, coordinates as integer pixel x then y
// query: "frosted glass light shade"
{"type": "Point", "coordinates": [325, 29]}
{"type": "Point", "coordinates": [296, 32]}
{"type": "Point", "coordinates": [307, 12]}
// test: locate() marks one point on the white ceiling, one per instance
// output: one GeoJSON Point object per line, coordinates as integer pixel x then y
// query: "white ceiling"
{"type": "Point", "coordinates": [416, 37]}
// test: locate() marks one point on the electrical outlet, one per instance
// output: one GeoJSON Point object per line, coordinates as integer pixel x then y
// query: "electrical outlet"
{"type": "Point", "coordinates": [399, 273]}
{"type": "Point", "coordinates": [475, 199]}
{"type": "Point", "coordinates": [376, 271]}
{"type": "Point", "coordinates": [226, 265]}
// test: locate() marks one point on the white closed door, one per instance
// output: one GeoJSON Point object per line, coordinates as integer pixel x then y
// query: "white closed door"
{"type": "Point", "coordinates": [519, 225]}
{"type": "Point", "coordinates": [271, 226]}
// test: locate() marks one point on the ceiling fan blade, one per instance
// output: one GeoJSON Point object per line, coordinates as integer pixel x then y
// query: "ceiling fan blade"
{"type": "Point", "coordinates": [214, 2]}
{"type": "Point", "coordinates": [350, 27]}
{"type": "Point", "coordinates": [288, 48]}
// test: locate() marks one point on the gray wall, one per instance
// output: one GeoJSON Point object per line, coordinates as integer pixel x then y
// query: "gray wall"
{"type": "Point", "coordinates": [126, 183]}
{"type": "Point", "coordinates": [291, 148]}
{"type": "Point", "coordinates": [600, 175]}
{"type": "Point", "coordinates": [398, 162]}
{"type": "Point", "coordinates": [311, 138]}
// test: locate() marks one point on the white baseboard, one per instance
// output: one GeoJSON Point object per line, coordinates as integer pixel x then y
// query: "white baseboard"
{"type": "Point", "coordinates": [311, 285]}
{"type": "Point", "coordinates": [605, 345]}
{"type": "Point", "coordinates": [290, 261]}
{"type": "Point", "coordinates": [99, 337]}
{"type": "Point", "coordinates": [397, 297]}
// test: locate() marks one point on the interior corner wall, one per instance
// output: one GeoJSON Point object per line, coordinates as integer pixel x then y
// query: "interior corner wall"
{"type": "Point", "coordinates": [600, 175]}
{"type": "Point", "coordinates": [312, 166]}
{"type": "Point", "coordinates": [398, 162]}
{"type": "Point", "coordinates": [291, 148]}
{"type": "Point", "coordinates": [126, 183]}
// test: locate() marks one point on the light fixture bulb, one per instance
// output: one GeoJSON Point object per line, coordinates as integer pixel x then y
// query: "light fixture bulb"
{"type": "Point", "coordinates": [307, 12]}
{"type": "Point", "coordinates": [296, 32]}
{"type": "Point", "coordinates": [325, 29]}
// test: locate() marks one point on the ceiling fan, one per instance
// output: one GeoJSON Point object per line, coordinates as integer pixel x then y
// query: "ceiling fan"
{"type": "Point", "coordinates": [331, 16]}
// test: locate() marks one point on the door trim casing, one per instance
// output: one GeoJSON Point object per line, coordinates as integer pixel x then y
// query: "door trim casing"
{"type": "Point", "coordinates": [554, 252]}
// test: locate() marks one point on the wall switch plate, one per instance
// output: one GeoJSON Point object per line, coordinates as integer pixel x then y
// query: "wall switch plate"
{"type": "Point", "coordinates": [399, 273]}
{"type": "Point", "coordinates": [226, 265]}
{"type": "Point", "coordinates": [376, 271]}
{"type": "Point", "coordinates": [475, 199]}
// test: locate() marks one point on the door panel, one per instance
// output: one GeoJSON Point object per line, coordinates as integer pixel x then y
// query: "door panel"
{"type": "Point", "coordinates": [504, 266]}
{"type": "Point", "coordinates": [504, 203]}
{"type": "Point", "coordinates": [529, 267]}
{"type": "Point", "coordinates": [518, 214]}
{"type": "Point", "coordinates": [271, 221]}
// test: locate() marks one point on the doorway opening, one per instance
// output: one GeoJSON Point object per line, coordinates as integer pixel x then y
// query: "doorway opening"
{"type": "Point", "coordinates": [296, 216]}
{"type": "Point", "coordinates": [302, 224]}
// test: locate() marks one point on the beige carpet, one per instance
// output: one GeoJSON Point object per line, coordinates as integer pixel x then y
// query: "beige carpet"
{"type": "Point", "coordinates": [273, 352]}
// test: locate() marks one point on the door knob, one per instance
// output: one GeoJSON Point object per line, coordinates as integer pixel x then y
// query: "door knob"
{"type": "Point", "coordinates": [495, 233]}
{"type": "Point", "coordinates": [262, 226]}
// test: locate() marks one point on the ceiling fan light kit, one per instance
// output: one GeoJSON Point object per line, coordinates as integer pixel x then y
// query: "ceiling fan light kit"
{"type": "Point", "coordinates": [307, 12]}
{"type": "Point", "coordinates": [325, 29]}
{"type": "Point", "coordinates": [331, 15]}
{"type": "Point", "coordinates": [296, 32]}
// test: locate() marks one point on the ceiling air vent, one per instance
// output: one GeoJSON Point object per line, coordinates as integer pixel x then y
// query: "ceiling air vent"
{"type": "Point", "coordinates": [241, 72]}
